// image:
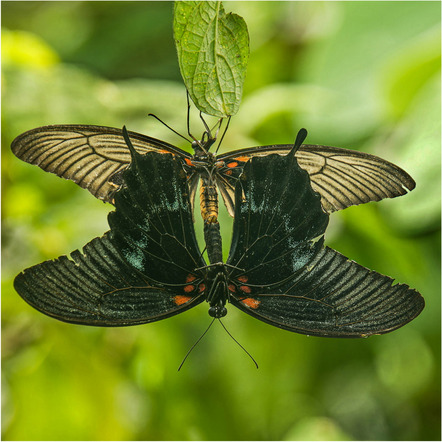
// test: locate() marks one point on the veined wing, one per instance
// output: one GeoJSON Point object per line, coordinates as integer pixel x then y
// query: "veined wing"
{"type": "Point", "coordinates": [152, 225]}
{"type": "Point", "coordinates": [97, 287]}
{"type": "Point", "coordinates": [342, 177]}
{"type": "Point", "coordinates": [332, 296]}
{"type": "Point", "coordinates": [276, 230]}
{"type": "Point", "coordinates": [143, 270]}
{"type": "Point", "coordinates": [281, 274]}
{"type": "Point", "coordinates": [94, 157]}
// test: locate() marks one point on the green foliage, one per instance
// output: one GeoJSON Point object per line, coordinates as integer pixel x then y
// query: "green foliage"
{"type": "Point", "coordinates": [344, 70]}
{"type": "Point", "coordinates": [213, 50]}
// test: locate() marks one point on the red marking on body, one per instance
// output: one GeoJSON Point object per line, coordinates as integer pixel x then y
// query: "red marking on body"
{"type": "Point", "coordinates": [250, 302]}
{"type": "Point", "coordinates": [232, 288]}
{"type": "Point", "coordinates": [180, 299]}
{"type": "Point", "coordinates": [202, 287]}
{"type": "Point", "coordinates": [189, 288]}
{"type": "Point", "coordinates": [245, 289]}
{"type": "Point", "coordinates": [243, 278]}
{"type": "Point", "coordinates": [188, 162]}
{"type": "Point", "coordinates": [190, 278]}
{"type": "Point", "coordinates": [232, 165]}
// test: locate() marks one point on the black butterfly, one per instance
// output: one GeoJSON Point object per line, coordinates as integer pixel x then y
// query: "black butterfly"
{"type": "Point", "coordinates": [148, 266]}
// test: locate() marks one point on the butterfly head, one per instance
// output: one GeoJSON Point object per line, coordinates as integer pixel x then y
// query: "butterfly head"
{"type": "Point", "coordinates": [218, 291]}
{"type": "Point", "coordinates": [202, 147]}
{"type": "Point", "coordinates": [217, 311]}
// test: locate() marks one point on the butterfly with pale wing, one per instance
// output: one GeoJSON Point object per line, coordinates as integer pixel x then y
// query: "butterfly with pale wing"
{"type": "Point", "coordinates": [149, 266]}
{"type": "Point", "coordinates": [95, 158]}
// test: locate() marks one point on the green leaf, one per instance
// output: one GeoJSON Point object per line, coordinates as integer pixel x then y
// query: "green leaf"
{"type": "Point", "coordinates": [213, 50]}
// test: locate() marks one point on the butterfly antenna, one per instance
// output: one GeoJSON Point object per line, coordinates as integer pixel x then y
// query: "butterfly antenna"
{"type": "Point", "coordinates": [196, 343]}
{"type": "Point", "coordinates": [224, 133]}
{"type": "Point", "coordinates": [302, 135]}
{"type": "Point", "coordinates": [250, 356]}
{"type": "Point", "coordinates": [173, 130]}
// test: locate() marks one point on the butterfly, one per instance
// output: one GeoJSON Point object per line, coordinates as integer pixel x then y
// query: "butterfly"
{"type": "Point", "coordinates": [148, 266]}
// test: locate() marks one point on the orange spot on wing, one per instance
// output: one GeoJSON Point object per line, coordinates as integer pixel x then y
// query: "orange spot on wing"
{"type": "Point", "coordinates": [202, 287]}
{"type": "Point", "coordinates": [243, 278]}
{"type": "Point", "coordinates": [190, 278]}
{"type": "Point", "coordinates": [245, 289]}
{"type": "Point", "coordinates": [189, 288]}
{"type": "Point", "coordinates": [232, 288]}
{"type": "Point", "coordinates": [242, 159]}
{"type": "Point", "coordinates": [232, 164]}
{"type": "Point", "coordinates": [228, 172]}
{"type": "Point", "coordinates": [166, 151]}
{"type": "Point", "coordinates": [250, 302]}
{"type": "Point", "coordinates": [180, 299]}
{"type": "Point", "coordinates": [188, 162]}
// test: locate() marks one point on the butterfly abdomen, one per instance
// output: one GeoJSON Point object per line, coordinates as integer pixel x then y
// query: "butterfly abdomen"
{"type": "Point", "coordinates": [209, 212]}
{"type": "Point", "coordinates": [209, 202]}
{"type": "Point", "coordinates": [212, 237]}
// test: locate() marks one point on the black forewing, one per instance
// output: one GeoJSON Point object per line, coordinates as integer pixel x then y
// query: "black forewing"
{"type": "Point", "coordinates": [152, 226]}
{"type": "Point", "coordinates": [273, 231]}
{"type": "Point", "coordinates": [138, 272]}
{"type": "Point", "coordinates": [94, 157]}
{"type": "Point", "coordinates": [342, 177]}
{"type": "Point", "coordinates": [285, 277]}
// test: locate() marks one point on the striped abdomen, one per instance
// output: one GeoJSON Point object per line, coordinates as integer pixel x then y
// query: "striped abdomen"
{"type": "Point", "coordinates": [209, 212]}
{"type": "Point", "coordinates": [208, 202]}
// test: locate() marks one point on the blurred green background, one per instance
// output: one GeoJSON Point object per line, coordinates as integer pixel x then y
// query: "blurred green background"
{"type": "Point", "coordinates": [360, 75]}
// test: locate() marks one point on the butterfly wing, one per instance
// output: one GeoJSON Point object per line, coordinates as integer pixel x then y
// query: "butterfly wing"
{"type": "Point", "coordinates": [334, 297]}
{"type": "Point", "coordinates": [141, 271]}
{"type": "Point", "coordinates": [94, 157]}
{"type": "Point", "coordinates": [342, 177]}
{"type": "Point", "coordinates": [97, 287]}
{"type": "Point", "coordinates": [153, 220]}
{"type": "Point", "coordinates": [282, 274]}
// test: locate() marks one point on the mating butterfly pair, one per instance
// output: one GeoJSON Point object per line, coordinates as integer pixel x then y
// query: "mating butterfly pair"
{"type": "Point", "coordinates": [149, 266]}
